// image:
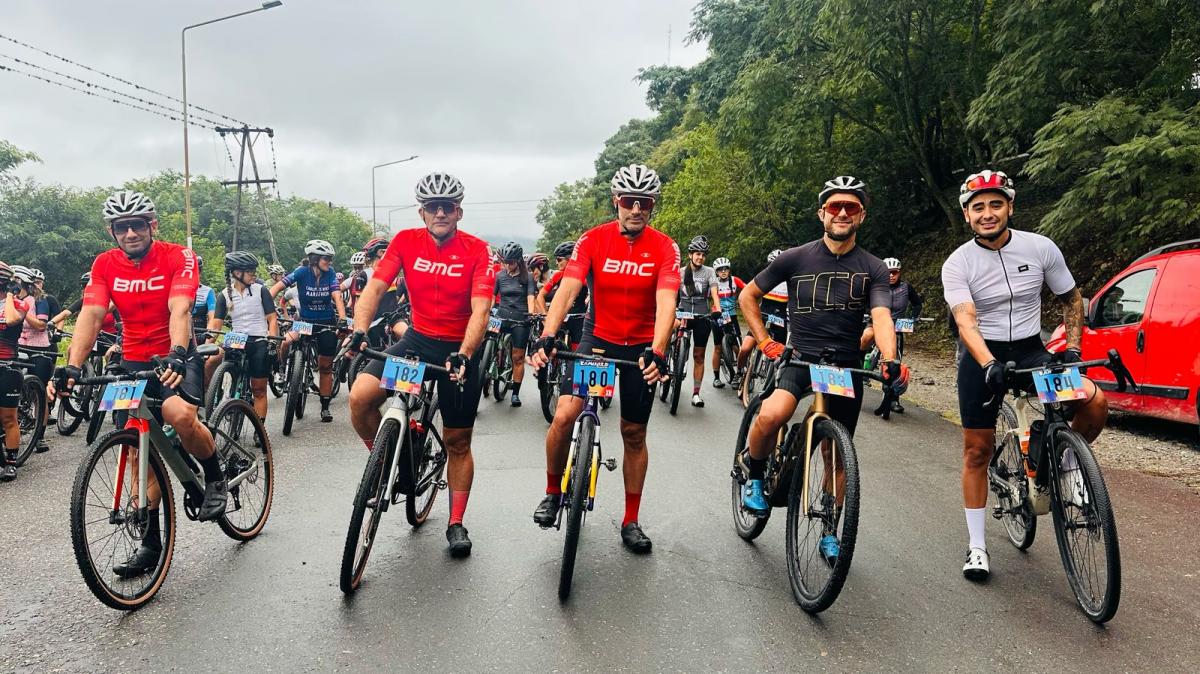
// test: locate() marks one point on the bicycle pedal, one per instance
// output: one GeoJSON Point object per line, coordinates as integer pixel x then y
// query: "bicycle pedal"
{"type": "Point", "coordinates": [442, 484]}
{"type": "Point", "coordinates": [610, 463]}
{"type": "Point", "coordinates": [998, 512]}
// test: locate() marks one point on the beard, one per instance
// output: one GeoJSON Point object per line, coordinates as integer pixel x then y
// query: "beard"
{"type": "Point", "coordinates": [841, 237]}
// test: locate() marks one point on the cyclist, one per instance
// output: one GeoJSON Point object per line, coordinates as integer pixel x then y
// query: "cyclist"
{"type": "Point", "coordinates": [832, 280]}
{"type": "Point", "coordinates": [774, 303]}
{"type": "Point", "coordinates": [574, 325]}
{"type": "Point", "coordinates": [206, 301]}
{"type": "Point", "coordinates": [12, 318]}
{"type": "Point", "coordinates": [248, 305]}
{"type": "Point", "coordinates": [906, 303]}
{"type": "Point", "coordinates": [632, 270]}
{"type": "Point", "coordinates": [35, 333]}
{"type": "Point", "coordinates": [450, 282]}
{"type": "Point", "coordinates": [698, 295]}
{"type": "Point", "coordinates": [396, 295]}
{"type": "Point", "coordinates": [320, 301]}
{"type": "Point", "coordinates": [153, 283]}
{"type": "Point", "coordinates": [728, 287]}
{"type": "Point", "coordinates": [353, 284]}
{"type": "Point", "coordinates": [993, 284]}
{"type": "Point", "coordinates": [539, 266]}
{"type": "Point", "coordinates": [52, 303]}
{"type": "Point", "coordinates": [517, 292]}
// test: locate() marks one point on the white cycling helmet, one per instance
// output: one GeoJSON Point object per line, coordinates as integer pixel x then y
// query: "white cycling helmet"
{"type": "Point", "coordinates": [128, 203]}
{"type": "Point", "coordinates": [843, 185]}
{"type": "Point", "coordinates": [318, 247]}
{"type": "Point", "coordinates": [772, 255]}
{"type": "Point", "coordinates": [37, 274]}
{"type": "Point", "coordinates": [721, 263]}
{"type": "Point", "coordinates": [22, 273]}
{"type": "Point", "coordinates": [358, 258]}
{"type": "Point", "coordinates": [986, 181]}
{"type": "Point", "coordinates": [636, 180]}
{"type": "Point", "coordinates": [436, 186]}
{"type": "Point", "coordinates": [276, 269]}
{"type": "Point", "coordinates": [891, 263]}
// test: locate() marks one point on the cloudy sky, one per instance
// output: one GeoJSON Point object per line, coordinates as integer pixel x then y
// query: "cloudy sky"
{"type": "Point", "coordinates": [512, 96]}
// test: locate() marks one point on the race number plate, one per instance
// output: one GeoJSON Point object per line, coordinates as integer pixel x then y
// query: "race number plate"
{"type": "Point", "coordinates": [236, 340]}
{"type": "Point", "coordinates": [772, 319]}
{"type": "Point", "coordinates": [493, 324]}
{"type": "Point", "coordinates": [831, 380]}
{"type": "Point", "coordinates": [684, 315]}
{"type": "Point", "coordinates": [904, 325]}
{"type": "Point", "coordinates": [302, 328]}
{"type": "Point", "coordinates": [402, 375]}
{"type": "Point", "coordinates": [1057, 387]}
{"type": "Point", "coordinates": [725, 318]}
{"type": "Point", "coordinates": [594, 378]}
{"type": "Point", "coordinates": [123, 396]}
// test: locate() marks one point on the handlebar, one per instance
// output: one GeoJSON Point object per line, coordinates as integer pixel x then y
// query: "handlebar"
{"type": "Point", "coordinates": [870, 374]}
{"type": "Point", "coordinates": [1113, 364]}
{"type": "Point", "coordinates": [575, 355]}
{"type": "Point", "coordinates": [137, 376]}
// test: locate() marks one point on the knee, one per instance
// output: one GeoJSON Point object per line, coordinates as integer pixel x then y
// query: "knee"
{"type": "Point", "coordinates": [976, 455]}
{"type": "Point", "coordinates": [634, 436]}
{"type": "Point", "coordinates": [458, 443]}
{"type": "Point", "coordinates": [566, 412]}
{"type": "Point", "coordinates": [178, 413]}
{"type": "Point", "coordinates": [363, 396]}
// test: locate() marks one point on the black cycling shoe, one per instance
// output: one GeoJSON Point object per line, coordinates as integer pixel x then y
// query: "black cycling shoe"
{"type": "Point", "coordinates": [635, 539]}
{"type": "Point", "coordinates": [8, 472]}
{"type": "Point", "coordinates": [516, 400]}
{"type": "Point", "coordinates": [216, 495]}
{"type": "Point", "coordinates": [142, 561]}
{"type": "Point", "coordinates": [326, 416]}
{"type": "Point", "coordinates": [460, 544]}
{"type": "Point", "coordinates": [547, 511]}
{"type": "Point", "coordinates": [897, 407]}
{"type": "Point", "coordinates": [41, 447]}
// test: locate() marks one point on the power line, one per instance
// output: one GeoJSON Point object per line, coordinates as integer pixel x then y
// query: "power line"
{"type": "Point", "coordinates": [118, 79]}
{"type": "Point", "coordinates": [465, 203]}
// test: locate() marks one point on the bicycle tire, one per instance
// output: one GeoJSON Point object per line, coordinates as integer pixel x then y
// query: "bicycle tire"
{"type": "Point", "coordinates": [31, 416]}
{"type": "Point", "coordinates": [548, 390]}
{"type": "Point", "coordinates": [1008, 466]}
{"type": "Point", "coordinates": [295, 390]}
{"type": "Point", "coordinates": [306, 383]}
{"type": "Point", "coordinates": [580, 479]}
{"type": "Point", "coordinates": [501, 383]}
{"type": "Point", "coordinates": [258, 488]}
{"type": "Point", "coordinates": [357, 365]}
{"type": "Point", "coordinates": [1099, 609]}
{"type": "Point", "coordinates": [747, 526]}
{"type": "Point", "coordinates": [750, 381]}
{"type": "Point", "coordinates": [677, 374]}
{"type": "Point", "coordinates": [217, 390]}
{"type": "Point", "coordinates": [84, 516]}
{"type": "Point", "coordinates": [728, 365]}
{"type": "Point", "coordinates": [486, 361]}
{"type": "Point", "coordinates": [278, 388]}
{"type": "Point", "coordinates": [428, 466]}
{"type": "Point", "coordinates": [815, 597]}
{"type": "Point", "coordinates": [371, 486]}
{"type": "Point", "coordinates": [665, 387]}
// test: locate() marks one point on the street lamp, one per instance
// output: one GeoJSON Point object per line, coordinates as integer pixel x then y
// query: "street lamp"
{"type": "Point", "coordinates": [374, 224]}
{"type": "Point", "coordinates": [402, 208]}
{"type": "Point", "coordinates": [187, 175]}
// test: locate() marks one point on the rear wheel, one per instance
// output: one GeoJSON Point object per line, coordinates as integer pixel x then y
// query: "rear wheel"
{"type": "Point", "coordinates": [296, 385]}
{"type": "Point", "coordinates": [581, 474]}
{"type": "Point", "coordinates": [677, 370]}
{"type": "Point", "coordinates": [504, 366]}
{"type": "Point", "coordinates": [1006, 478]}
{"type": "Point", "coordinates": [31, 415]}
{"type": "Point", "coordinates": [245, 452]}
{"type": "Point", "coordinates": [369, 505]}
{"type": "Point", "coordinates": [746, 525]}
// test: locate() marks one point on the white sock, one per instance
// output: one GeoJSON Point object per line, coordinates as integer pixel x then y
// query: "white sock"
{"type": "Point", "coordinates": [975, 520]}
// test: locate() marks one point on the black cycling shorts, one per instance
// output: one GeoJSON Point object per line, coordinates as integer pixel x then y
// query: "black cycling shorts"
{"type": "Point", "coordinates": [193, 377]}
{"type": "Point", "coordinates": [10, 386]}
{"type": "Point", "coordinates": [636, 396]}
{"type": "Point", "coordinates": [700, 327]}
{"type": "Point", "coordinates": [977, 406]}
{"type": "Point", "coordinates": [257, 358]}
{"type": "Point", "coordinates": [796, 380]}
{"type": "Point", "coordinates": [518, 330]}
{"type": "Point", "coordinates": [458, 407]}
{"type": "Point", "coordinates": [43, 363]}
{"type": "Point", "coordinates": [574, 328]}
{"type": "Point", "coordinates": [327, 341]}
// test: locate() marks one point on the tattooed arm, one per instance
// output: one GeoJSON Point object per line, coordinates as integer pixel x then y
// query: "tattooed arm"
{"type": "Point", "coordinates": [968, 332]}
{"type": "Point", "coordinates": [1072, 302]}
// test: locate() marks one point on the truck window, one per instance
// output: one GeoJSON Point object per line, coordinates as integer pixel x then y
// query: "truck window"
{"type": "Point", "coordinates": [1125, 302]}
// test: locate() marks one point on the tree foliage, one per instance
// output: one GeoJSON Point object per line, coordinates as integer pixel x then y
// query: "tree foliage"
{"type": "Point", "coordinates": [573, 208]}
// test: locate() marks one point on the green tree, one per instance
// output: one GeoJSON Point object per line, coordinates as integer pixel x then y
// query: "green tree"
{"type": "Point", "coordinates": [571, 210]}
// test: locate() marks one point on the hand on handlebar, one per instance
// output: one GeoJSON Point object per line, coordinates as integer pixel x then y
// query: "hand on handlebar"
{"type": "Point", "coordinates": [173, 368]}
{"type": "Point", "coordinates": [541, 352]}
{"type": "Point", "coordinates": [353, 344]}
{"type": "Point", "coordinates": [994, 376]}
{"type": "Point", "coordinates": [64, 381]}
{"type": "Point", "coordinates": [654, 366]}
{"type": "Point", "coordinates": [771, 348]}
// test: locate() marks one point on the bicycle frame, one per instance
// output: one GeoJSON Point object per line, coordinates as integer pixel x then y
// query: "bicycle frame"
{"type": "Point", "coordinates": [590, 410]}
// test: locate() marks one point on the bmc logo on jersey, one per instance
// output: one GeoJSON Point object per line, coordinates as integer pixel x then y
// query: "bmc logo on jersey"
{"type": "Point", "coordinates": [628, 268]}
{"type": "Point", "coordinates": [138, 285]}
{"type": "Point", "coordinates": [440, 268]}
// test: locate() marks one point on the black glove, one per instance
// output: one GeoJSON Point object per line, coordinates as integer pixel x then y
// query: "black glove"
{"type": "Point", "coordinates": [67, 373]}
{"type": "Point", "coordinates": [175, 361]}
{"type": "Point", "coordinates": [993, 374]}
{"type": "Point", "coordinates": [892, 373]}
{"type": "Point", "coordinates": [1068, 356]}
{"type": "Point", "coordinates": [649, 356]}
{"type": "Point", "coordinates": [355, 341]}
{"type": "Point", "coordinates": [715, 317]}
{"type": "Point", "coordinates": [545, 343]}
{"type": "Point", "coordinates": [455, 362]}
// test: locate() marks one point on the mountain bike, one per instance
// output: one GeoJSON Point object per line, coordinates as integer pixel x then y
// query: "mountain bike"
{"type": "Point", "coordinates": [595, 377]}
{"type": "Point", "coordinates": [31, 408]}
{"type": "Point", "coordinates": [406, 464]}
{"type": "Point", "coordinates": [813, 471]}
{"type": "Point", "coordinates": [728, 336]}
{"type": "Point", "coordinates": [231, 379]}
{"type": "Point", "coordinates": [301, 369]}
{"type": "Point", "coordinates": [277, 381]}
{"type": "Point", "coordinates": [496, 362]}
{"type": "Point", "coordinates": [1041, 466]}
{"type": "Point", "coordinates": [904, 326]}
{"type": "Point", "coordinates": [126, 469]}
{"type": "Point", "coordinates": [759, 368]}
{"type": "Point", "coordinates": [679, 351]}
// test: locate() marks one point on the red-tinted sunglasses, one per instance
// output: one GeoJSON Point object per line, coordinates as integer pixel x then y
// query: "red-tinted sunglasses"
{"type": "Point", "coordinates": [851, 208]}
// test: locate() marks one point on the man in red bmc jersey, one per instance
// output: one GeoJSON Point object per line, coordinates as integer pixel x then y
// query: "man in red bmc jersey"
{"type": "Point", "coordinates": [633, 273]}
{"type": "Point", "coordinates": [153, 286]}
{"type": "Point", "coordinates": [450, 283]}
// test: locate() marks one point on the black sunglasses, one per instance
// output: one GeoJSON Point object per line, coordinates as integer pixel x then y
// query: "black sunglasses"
{"type": "Point", "coordinates": [432, 207]}
{"type": "Point", "coordinates": [122, 227]}
{"type": "Point", "coordinates": [647, 203]}
{"type": "Point", "coordinates": [313, 259]}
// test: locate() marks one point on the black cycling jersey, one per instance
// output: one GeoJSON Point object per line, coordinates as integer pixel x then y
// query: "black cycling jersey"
{"type": "Point", "coordinates": [904, 297]}
{"type": "Point", "coordinates": [827, 295]}
{"type": "Point", "coordinates": [514, 294]}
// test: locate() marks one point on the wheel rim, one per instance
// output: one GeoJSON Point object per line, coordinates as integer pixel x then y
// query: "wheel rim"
{"type": "Point", "coordinates": [821, 517]}
{"type": "Point", "coordinates": [1082, 536]}
{"type": "Point", "coordinates": [235, 439]}
{"type": "Point", "coordinates": [370, 523]}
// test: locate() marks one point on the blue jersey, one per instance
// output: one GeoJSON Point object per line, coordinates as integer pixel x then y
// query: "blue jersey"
{"type": "Point", "coordinates": [314, 292]}
{"type": "Point", "coordinates": [205, 303]}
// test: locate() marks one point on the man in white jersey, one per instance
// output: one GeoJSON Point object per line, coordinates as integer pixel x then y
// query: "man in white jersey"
{"type": "Point", "coordinates": [993, 285]}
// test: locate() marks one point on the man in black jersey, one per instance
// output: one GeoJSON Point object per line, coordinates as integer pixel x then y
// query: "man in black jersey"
{"type": "Point", "coordinates": [831, 281]}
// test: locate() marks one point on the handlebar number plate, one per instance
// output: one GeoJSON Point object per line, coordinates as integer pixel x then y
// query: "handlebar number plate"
{"type": "Point", "coordinates": [123, 396]}
{"type": "Point", "coordinates": [1057, 387]}
{"type": "Point", "coordinates": [403, 375]}
{"type": "Point", "coordinates": [904, 325]}
{"type": "Point", "coordinates": [235, 340]}
{"type": "Point", "coordinates": [302, 328]}
{"type": "Point", "coordinates": [684, 315]}
{"type": "Point", "coordinates": [494, 324]}
{"type": "Point", "coordinates": [831, 380]}
{"type": "Point", "coordinates": [772, 319]}
{"type": "Point", "coordinates": [594, 378]}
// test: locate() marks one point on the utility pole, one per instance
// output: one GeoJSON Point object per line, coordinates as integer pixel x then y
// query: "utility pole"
{"type": "Point", "coordinates": [668, 44]}
{"type": "Point", "coordinates": [247, 143]}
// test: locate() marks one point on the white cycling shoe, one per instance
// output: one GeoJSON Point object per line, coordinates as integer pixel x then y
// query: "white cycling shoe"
{"type": "Point", "coordinates": [976, 568]}
{"type": "Point", "coordinates": [697, 401]}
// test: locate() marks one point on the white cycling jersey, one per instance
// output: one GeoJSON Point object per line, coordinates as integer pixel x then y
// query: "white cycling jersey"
{"type": "Point", "coordinates": [1006, 284]}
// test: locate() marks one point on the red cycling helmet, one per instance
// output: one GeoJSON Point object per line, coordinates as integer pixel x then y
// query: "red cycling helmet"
{"type": "Point", "coordinates": [374, 247]}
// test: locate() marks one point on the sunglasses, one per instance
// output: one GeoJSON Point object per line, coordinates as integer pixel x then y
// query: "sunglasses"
{"type": "Point", "coordinates": [315, 258]}
{"type": "Point", "coordinates": [123, 227]}
{"type": "Point", "coordinates": [851, 208]}
{"type": "Point", "coordinates": [432, 207]}
{"type": "Point", "coordinates": [646, 203]}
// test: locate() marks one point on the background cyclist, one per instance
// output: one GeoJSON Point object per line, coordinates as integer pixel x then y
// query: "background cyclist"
{"type": "Point", "coordinates": [573, 324]}
{"type": "Point", "coordinates": [728, 287]}
{"type": "Point", "coordinates": [906, 303]}
{"type": "Point", "coordinates": [698, 295]}
{"type": "Point", "coordinates": [12, 318]}
{"type": "Point", "coordinates": [517, 291]}
{"type": "Point", "coordinates": [247, 304]}
{"type": "Point", "coordinates": [773, 304]}
{"type": "Point", "coordinates": [35, 332]}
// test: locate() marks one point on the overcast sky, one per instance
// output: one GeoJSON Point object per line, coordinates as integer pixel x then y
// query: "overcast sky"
{"type": "Point", "coordinates": [513, 97]}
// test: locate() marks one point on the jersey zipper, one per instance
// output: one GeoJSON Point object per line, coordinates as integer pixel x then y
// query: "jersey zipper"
{"type": "Point", "coordinates": [1010, 293]}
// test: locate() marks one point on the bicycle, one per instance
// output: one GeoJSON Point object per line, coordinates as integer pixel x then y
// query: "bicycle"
{"type": "Point", "coordinates": [81, 404]}
{"type": "Point", "coordinates": [730, 337]}
{"type": "Point", "coordinates": [302, 363]}
{"type": "Point", "coordinates": [112, 488]}
{"type": "Point", "coordinates": [596, 377]}
{"type": "Point", "coordinates": [379, 337]}
{"type": "Point", "coordinates": [759, 368]}
{"type": "Point", "coordinates": [497, 359]}
{"type": "Point", "coordinates": [407, 462]}
{"type": "Point", "coordinates": [31, 408]}
{"type": "Point", "coordinates": [904, 326]}
{"type": "Point", "coordinates": [231, 378]}
{"type": "Point", "coordinates": [678, 353]}
{"type": "Point", "coordinates": [820, 502]}
{"type": "Point", "coordinates": [1028, 474]}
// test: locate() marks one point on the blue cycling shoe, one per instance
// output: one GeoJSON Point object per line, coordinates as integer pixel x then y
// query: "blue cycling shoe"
{"type": "Point", "coordinates": [753, 500]}
{"type": "Point", "coordinates": [830, 549]}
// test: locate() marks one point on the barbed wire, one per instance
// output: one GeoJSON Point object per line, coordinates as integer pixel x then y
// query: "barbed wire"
{"type": "Point", "coordinates": [274, 166]}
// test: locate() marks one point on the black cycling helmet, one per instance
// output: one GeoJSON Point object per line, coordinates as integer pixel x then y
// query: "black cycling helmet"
{"type": "Point", "coordinates": [564, 249]}
{"type": "Point", "coordinates": [698, 244]}
{"type": "Point", "coordinates": [240, 260]}
{"type": "Point", "coordinates": [511, 252]}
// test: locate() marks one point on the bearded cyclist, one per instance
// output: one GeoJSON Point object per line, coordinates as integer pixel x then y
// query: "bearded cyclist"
{"type": "Point", "coordinates": [698, 295]}
{"type": "Point", "coordinates": [574, 324]}
{"type": "Point", "coordinates": [153, 284]}
{"type": "Point", "coordinates": [450, 282]}
{"type": "Point", "coordinates": [320, 304]}
{"type": "Point", "coordinates": [631, 317]}
{"type": "Point", "coordinates": [993, 285]}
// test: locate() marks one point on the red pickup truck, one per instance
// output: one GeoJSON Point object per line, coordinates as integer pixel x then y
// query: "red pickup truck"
{"type": "Point", "coordinates": [1150, 312]}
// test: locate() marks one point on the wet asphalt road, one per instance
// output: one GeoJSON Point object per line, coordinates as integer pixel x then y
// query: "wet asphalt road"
{"type": "Point", "coordinates": [704, 600]}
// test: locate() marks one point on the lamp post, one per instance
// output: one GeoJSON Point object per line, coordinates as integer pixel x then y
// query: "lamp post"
{"type": "Point", "coordinates": [374, 223]}
{"type": "Point", "coordinates": [187, 175]}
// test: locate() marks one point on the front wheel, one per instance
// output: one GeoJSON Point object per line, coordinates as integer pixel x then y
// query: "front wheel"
{"type": "Point", "coordinates": [1085, 527]}
{"type": "Point", "coordinates": [220, 387]}
{"type": "Point", "coordinates": [504, 366]}
{"type": "Point", "coordinates": [681, 356]}
{"type": "Point", "coordinates": [548, 387]}
{"type": "Point", "coordinates": [369, 505]}
{"type": "Point", "coordinates": [824, 519]}
{"type": "Point", "coordinates": [747, 525]}
{"type": "Point", "coordinates": [31, 415]}
{"type": "Point", "coordinates": [581, 475]}
{"type": "Point", "coordinates": [245, 453]}
{"type": "Point", "coordinates": [277, 379]}
{"type": "Point", "coordinates": [292, 408]}
{"type": "Point", "coordinates": [728, 362]}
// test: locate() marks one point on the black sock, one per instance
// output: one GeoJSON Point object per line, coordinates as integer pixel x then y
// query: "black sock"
{"type": "Point", "coordinates": [152, 539]}
{"type": "Point", "coordinates": [517, 388]}
{"type": "Point", "coordinates": [10, 455]}
{"type": "Point", "coordinates": [324, 402]}
{"type": "Point", "coordinates": [212, 468]}
{"type": "Point", "coordinates": [758, 468]}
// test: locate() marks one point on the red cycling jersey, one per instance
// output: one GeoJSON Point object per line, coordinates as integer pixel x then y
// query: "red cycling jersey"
{"type": "Point", "coordinates": [624, 277]}
{"type": "Point", "coordinates": [141, 291]}
{"type": "Point", "coordinates": [442, 280]}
